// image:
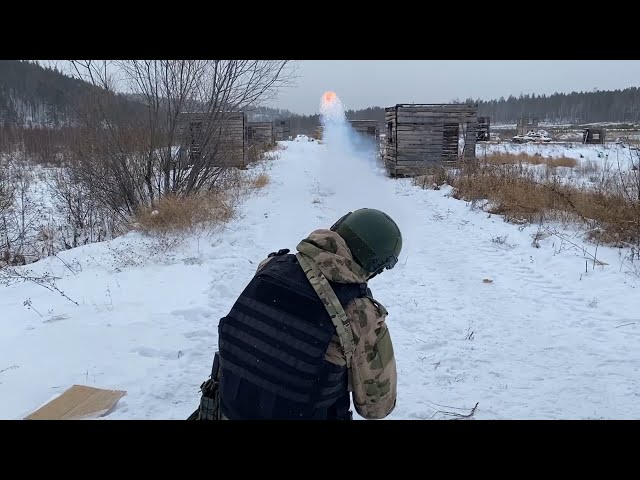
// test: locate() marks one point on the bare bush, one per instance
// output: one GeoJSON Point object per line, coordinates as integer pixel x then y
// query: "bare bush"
{"type": "Point", "coordinates": [629, 189]}
{"type": "Point", "coordinates": [138, 151]}
{"type": "Point", "coordinates": [22, 214]}
{"type": "Point", "coordinates": [12, 275]}
{"type": "Point", "coordinates": [587, 168]}
{"type": "Point", "coordinates": [82, 218]}
{"type": "Point", "coordinates": [6, 186]}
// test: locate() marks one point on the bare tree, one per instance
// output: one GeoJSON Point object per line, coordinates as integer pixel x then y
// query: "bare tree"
{"type": "Point", "coordinates": [84, 220]}
{"type": "Point", "coordinates": [629, 188]}
{"type": "Point", "coordinates": [6, 202]}
{"type": "Point", "coordinates": [20, 219]}
{"type": "Point", "coordinates": [136, 147]}
{"type": "Point", "coordinates": [6, 186]}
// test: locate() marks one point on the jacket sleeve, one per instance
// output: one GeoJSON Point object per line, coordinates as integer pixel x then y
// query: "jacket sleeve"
{"type": "Point", "coordinates": [374, 375]}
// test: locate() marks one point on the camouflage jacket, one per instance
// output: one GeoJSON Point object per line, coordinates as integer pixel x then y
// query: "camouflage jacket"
{"type": "Point", "coordinates": [373, 372]}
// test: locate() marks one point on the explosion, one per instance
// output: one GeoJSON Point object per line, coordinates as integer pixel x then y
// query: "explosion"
{"type": "Point", "coordinates": [331, 107]}
{"type": "Point", "coordinates": [328, 97]}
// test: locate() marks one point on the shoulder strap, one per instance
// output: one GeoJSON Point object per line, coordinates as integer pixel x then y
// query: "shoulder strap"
{"type": "Point", "coordinates": [339, 318]}
{"type": "Point", "coordinates": [382, 311]}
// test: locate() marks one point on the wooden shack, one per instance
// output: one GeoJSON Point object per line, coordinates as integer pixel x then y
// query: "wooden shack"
{"type": "Point", "coordinates": [526, 124]}
{"type": "Point", "coordinates": [423, 135]}
{"type": "Point", "coordinates": [226, 135]}
{"type": "Point", "coordinates": [483, 132]}
{"type": "Point", "coordinates": [260, 134]}
{"type": "Point", "coordinates": [281, 129]}
{"type": "Point", "coordinates": [593, 136]}
{"type": "Point", "coordinates": [366, 127]}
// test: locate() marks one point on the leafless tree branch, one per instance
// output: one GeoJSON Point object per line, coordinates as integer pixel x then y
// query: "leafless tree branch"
{"type": "Point", "coordinates": [139, 147]}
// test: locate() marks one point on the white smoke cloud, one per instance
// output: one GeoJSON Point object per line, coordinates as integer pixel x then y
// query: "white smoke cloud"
{"type": "Point", "coordinates": [352, 174]}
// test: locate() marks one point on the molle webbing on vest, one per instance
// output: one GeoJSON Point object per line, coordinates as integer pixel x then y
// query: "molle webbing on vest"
{"type": "Point", "coordinates": [273, 344]}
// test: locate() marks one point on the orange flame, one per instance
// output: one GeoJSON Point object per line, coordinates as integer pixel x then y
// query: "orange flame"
{"type": "Point", "coordinates": [328, 97]}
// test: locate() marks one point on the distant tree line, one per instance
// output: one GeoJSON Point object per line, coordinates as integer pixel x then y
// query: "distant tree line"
{"type": "Point", "coordinates": [575, 108]}
{"type": "Point", "coordinates": [32, 95]}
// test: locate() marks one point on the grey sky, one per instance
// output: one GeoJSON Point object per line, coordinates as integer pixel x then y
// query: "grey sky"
{"type": "Point", "coordinates": [366, 83]}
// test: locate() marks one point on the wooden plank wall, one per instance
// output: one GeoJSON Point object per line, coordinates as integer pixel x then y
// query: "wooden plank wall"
{"type": "Point", "coordinates": [281, 129]}
{"type": "Point", "coordinates": [232, 146]}
{"type": "Point", "coordinates": [260, 133]}
{"type": "Point", "coordinates": [366, 127]}
{"type": "Point", "coordinates": [450, 141]}
{"type": "Point", "coordinates": [422, 135]}
{"type": "Point", "coordinates": [389, 146]}
{"type": "Point", "coordinates": [233, 143]}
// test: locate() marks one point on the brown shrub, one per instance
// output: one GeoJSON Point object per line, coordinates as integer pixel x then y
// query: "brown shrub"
{"type": "Point", "coordinates": [431, 177]}
{"type": "Point", "coordinates": [184, 214]}
{"type": "Point", "coordinates": [261, 180]}
{"type": "Point", "coordinates": [516, 193]}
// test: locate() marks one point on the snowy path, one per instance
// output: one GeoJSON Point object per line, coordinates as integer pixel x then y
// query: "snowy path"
{"type": "Point", "coordinates": [543, 340]}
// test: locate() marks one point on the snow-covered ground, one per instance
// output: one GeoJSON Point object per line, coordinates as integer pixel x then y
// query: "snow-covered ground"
{"type": "Point", "coordinates": [477, 313]}
{"type": "Point", "coordinates": [582, 153]}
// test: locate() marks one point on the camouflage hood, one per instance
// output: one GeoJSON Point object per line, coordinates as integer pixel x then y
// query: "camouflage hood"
{"type": "Point", "coordinates": [331, 254]}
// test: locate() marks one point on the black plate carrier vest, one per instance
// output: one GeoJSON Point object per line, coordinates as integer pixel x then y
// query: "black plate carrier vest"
{"type": "Point", "coordinates": [272, 346]}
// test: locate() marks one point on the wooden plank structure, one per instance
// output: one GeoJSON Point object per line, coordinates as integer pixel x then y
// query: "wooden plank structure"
{"type": "Point", "coordinates": [260, 134]}
{"type": "Point", "coordinates": [593, 136]}
{"type": "Point", "coordinates": [526, 124]}
{"type": "Point", "coordinates": [483, 132]}
{"type": "Point", "coordinates": [230, 133]}
{"type": "Point", "coordinates": [281, 129]}
{"type": "Point", "coordinates": [423, 135]}
{"type": "Point", "coordinates": [366, 127]}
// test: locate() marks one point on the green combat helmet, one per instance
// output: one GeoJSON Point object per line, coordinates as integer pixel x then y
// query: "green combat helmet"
{"type": "Point", "coordinates": [373, 237]}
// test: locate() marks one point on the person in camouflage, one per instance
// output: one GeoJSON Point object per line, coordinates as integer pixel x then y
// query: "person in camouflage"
{"type": "Point", "coordinates": [336, 262]}
{"type": "Point", "coordinates": [373, 370]}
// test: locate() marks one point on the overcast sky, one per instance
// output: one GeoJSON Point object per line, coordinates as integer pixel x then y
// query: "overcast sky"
{"type": "Point", "coordinates": [366, 83]}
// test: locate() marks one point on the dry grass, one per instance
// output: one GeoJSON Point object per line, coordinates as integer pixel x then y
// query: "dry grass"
{"type": "Point", "coordinates": [433, 177]}
{"type": "Point", "coordinates": [516, 193]}
{"type": "Point", "coordinates": [173, 214]}
{"type": "Point", "coordinates": [523, 158]}
{"type": "Point", "coordinates": [188, 214]}
{"type": "Point", "coordinates": [261, 181]}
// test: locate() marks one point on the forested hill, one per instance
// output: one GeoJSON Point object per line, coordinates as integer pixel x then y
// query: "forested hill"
{"type": "Point", "coordinates": [32, 95]}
